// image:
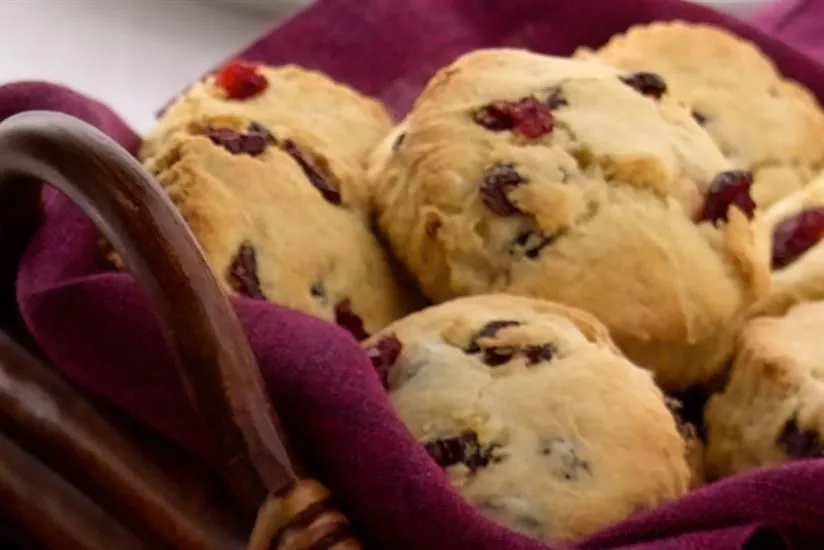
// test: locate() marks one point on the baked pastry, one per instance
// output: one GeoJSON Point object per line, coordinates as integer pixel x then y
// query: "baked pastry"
{"type": "Point", "coordinates": [795, 227]}
{"type": "Point", "coordinates": [343, 123]}
{"type": "Point", "coordinates": [772, 409]}
{"type": "Point", "coordinates": [278, 222]}
{"type": "Point", "coordinates": [762, 122]}
{"type": "Point", "coordinates": [567, 180]}
{"type": "Point", "coordinates": [535, 416]}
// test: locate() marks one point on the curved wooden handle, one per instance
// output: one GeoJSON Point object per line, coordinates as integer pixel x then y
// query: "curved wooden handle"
{"type": "Point", "coordinates": [61, 423]}
{"type": "Point", "coordinates": [142, 224]}
{"type": "Point", "coordinates": [34, 491]}
{"type": "Point", "coordinates": [146, 230]}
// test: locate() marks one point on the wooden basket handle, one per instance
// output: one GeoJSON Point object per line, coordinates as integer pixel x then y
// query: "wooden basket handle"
{"type": "Point", "coordinates": [216, 364]}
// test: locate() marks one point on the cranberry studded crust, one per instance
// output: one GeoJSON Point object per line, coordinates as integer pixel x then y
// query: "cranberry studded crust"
{"type": "Point", "coordinates": [280, 221]}
{"type": "Point", "coordinates": [574, 182]}
{"type": "Point", "coordinates": [772, 409]}
{"type": "Point", "coordinates": [343, 122]}
{"type": "Point", "coordinates": [533, 413]}
{"type": "Point", "coordinates": [762, 122]}
{"type": "Point", "coordinates": [795, 229]}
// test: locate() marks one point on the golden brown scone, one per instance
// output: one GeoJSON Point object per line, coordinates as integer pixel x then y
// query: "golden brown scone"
{"type": "Point", "coordinates": [762, 122]}
{"type": "Point", "coordinates": [553, 178]}
{"type": "Point", "coordinates": [795, 226]}
{"type": "Point", "coordinates": [772, 409]}
{"type": "Point", "coordinates": [343, 122]}
{"type": "Point", "coordinates": [278, 220]}
{"type": "Point", "coordinates": [533, 413]}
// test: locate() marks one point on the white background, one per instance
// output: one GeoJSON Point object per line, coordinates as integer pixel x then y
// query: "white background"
{"type": "Point", "coordinates": [135, 54]}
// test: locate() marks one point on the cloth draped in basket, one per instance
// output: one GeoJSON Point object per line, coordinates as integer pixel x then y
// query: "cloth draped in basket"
{"type": "Point", "coordinates": [95, 326]}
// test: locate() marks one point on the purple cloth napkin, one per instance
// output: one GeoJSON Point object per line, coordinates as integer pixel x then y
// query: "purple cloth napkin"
{"type": "Point", "coordinates": [799, 22]}
{"type": "Point", "coordinates": [95, 326]}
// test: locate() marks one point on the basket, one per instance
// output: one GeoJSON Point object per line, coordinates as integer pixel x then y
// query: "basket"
{"type": "Point", "coordinates": [146, 410]}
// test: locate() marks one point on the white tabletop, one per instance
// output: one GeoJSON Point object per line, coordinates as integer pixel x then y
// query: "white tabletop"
{"type": "Point", "coordinates": [134, 54]}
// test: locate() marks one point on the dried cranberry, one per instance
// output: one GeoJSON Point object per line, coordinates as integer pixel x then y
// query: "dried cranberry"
{"type": "Point", "coordinates": [797, 443]}
{"type": "Point", "coordinates": [463, 448]}
{"type": "Point", "coordinates": [241, 79]}
{"type": "Point", "coordinates": [313, 173]}
{"type": "Point", "coordinates": [489, 330]}
{"type": "Point", "coordinates": [242, 273]}
{"type": "Point", "coordinates": [794, 236]}
{"type": "Point", "coordinates": [383, 355]}
{"type": "Point", "coordinates": [532, 243]}
{"type": "Point", "coordinates": [648, 84]}
{"type": "Point", "coordinates": [727, 189]}
{"type": "Point", "coordinates": [348, 319]}
{"type": "Point", "coordinates": [556, 99]}
{"type": "Point", "coordinates": [535, 353]}
{"type": "Point", "coordinates": [252, 142]}
{"type": "Point", "coordinates": [495, 357]}
{"type": "Point", "coordinates": [498, 181]}
{"type": "Point", "coordinates": [527, 116]}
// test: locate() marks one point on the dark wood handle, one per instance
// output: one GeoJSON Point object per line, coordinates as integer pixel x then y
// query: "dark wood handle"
{"type": "Point", "coordinates": [33, 490]}
{"type": "Point", "coordinates": [64, 425]}
{"type": "Point", "coordinates": [146, 230]}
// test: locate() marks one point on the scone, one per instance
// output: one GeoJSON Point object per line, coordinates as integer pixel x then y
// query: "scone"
{"type": "Point", "coordinates": [772, 409]}
{"type": "Point", "coordinates": [277, 222]}
{"type": "Point", "coordinates": [762, 122]}
{"type": "Point", "coordinates": [795, 226]}
{"type": "Point", "coordinates": [343, 122]}
{"type": "Point", "coordinates": [560, 179]}
{"type": "Point", "coordinates": [535, 416]}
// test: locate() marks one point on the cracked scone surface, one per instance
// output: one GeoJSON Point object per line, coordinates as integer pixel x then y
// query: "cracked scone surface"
{"type": "Point", "coordinates": [591, 202]}
{"type": "Point", "coordinates": [772, 409]}
{"type": "Point", "coordinates": [795, 228]}
{"type": "Point", "coordinates": [761, 121]}
{"type": "Point", "coordinates": [342, 121]}
{"type": "Point", "coordinates": [277, 221]}
{"type": "Point", "coordinates": [536, 417]}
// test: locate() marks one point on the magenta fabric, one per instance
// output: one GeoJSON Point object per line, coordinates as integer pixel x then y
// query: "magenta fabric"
{"type": "Point", "coordinates": [96, 328]}
{"type": "Point", "coordinates": [799, 22]}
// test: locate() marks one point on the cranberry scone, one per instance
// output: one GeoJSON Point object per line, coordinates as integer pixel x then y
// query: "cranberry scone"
{"type": "Point", "coordinates": [533, 413]}
{"type": "Point", "coordinates": [772, 409]}
{"type": "Point", "coordinates": [795, 225]}
{"type": "Point", "coordinates": [570, 181]}
{"type": "Point", "coordinates": [342, 122]}
{"type": "Point", "coordinates": [276, 222]}
{"type": "Point", "coordinates": [762, 122]}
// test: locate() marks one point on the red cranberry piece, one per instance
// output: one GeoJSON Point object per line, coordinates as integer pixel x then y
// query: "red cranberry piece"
{"type": "Point", "coordinates": [527, 116]}
{"type": "Point", "coordinates": [498, 181]}
{"type": "Point", "coordinates": [648, 84]}
{"type": "Point", "coordinates": [463, 448]}
{"type": "Point", "coordinates": [489, 330]}
{"type": "Point", "coordinates": [348, 319]}
{"type": "Point", "coordinates": [252, 142]}
{"type": "Point", "coordinates": [241, 79]}
{"type": "Point", "coordinates": [794, 236]}
{"type": "Point", "coordinates": [798, 443]}
{"type": "Point", "coordinates": [532, 243]}
{"type": "Point", "coordinates": [383, 355]}
{"type": "Point", "coordinates": [727, 189]}
{"type": "Point", "coordinates": [556, 99]}
{"type": "Point", "coordinates": [242, 275]}
{"type": "Point", "coordinates": [313, 173]}
{"type": "Point", "coordinates": [536, 353]}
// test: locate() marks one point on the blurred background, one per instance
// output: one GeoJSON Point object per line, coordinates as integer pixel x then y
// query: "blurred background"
{"type": "Point", "coordinates": [136, 54]}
